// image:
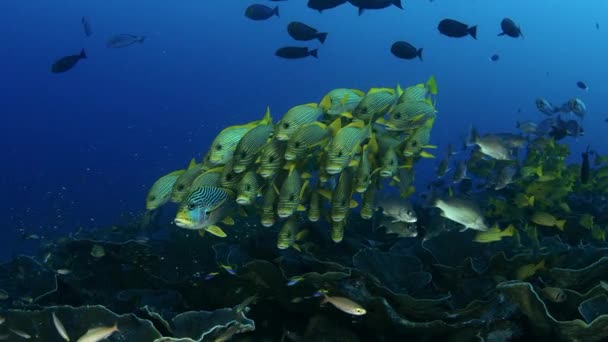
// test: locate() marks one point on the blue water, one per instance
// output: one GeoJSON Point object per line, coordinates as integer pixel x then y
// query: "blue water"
{"type": "Point", "coordinates": [82, 148]}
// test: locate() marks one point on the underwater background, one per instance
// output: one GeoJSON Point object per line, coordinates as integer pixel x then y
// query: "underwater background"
{"type": "Point", "coordinates": [82, 148]}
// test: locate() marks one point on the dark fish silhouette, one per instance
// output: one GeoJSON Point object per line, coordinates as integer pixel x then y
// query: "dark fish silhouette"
{"type": "Point", "coordinates": [261, 12]}
{"type": "Point", "coordinates": [86, 26]}
{"type": "Point", "coordinates": [456, 29]}
{"type": "Point", "coordinates": [510, 29]}
{"type": "Point", "coordinates": [294, 52]}
{"type": "Point", "coordinates": [494, 58]}
{"type": "Point", "coordinates": [303, 32]}
{"type": "Point", "coordinates": [363, 5]}
{"type": "Point", "coordinates": [124, 40]}
{"type": "Point", "coordinates": [582, 85]}
{"type": "Point", "coordinates": [321, 5]}
{"type": "Point", "coordinates": [597, 26]}
{"type": "Point", "coordinates": [68, 62]}
{"type": "Point", "coordinates": [405, 50]}
{"type": "Point", "coordinates": [585, 167]}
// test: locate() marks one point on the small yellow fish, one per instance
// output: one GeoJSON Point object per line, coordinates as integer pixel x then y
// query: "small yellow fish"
{"type": "Point", "coordinates": [305, 138]}
{"type": "Point", "coordinates": [374, 104]}
{"type": "Point", "coordinates": [60, 328]}
{"type": "Point", "coordinates": [251, 143]}
{"type": "Point", "coordinates": [248, 188]}
{"type": "Point", "coordinates": [290, 194]}
{"type": "Point", "coordinates": [494, 234]}
{"type": "Point", "coordinates": [526, 271]}
{"type": "Point", "coordinates": [289, 235]}
{"type": "Point", "coordinates": [342, 148]}
{"type": "Point", "coordinates": [344, 304]}
{"type": "Point", "coordinates": [223, 146]}
{"type": "Point", "coordinates": [368, 203]}
{"type": "Point", "coordinates": [98, 334]}
{"type": "Point", "coordinates": [160, 192]}
{"type": "Point", "coordinates": [341, 100]}
{"type": "Point", "coordinates": [314, 207]}
{"type": "Point", "coordinates": [296, 117]}
{"type": "Point", "coordinates": [271, 158]}
{"type": "Point", "coordinates": [547, 220]}
{"type": "Point", "coordinates": [337, 230]}
{"type": "Point", "coordinates": [267, 216]}
{"type": "Point", "coordinates": [184, 181]}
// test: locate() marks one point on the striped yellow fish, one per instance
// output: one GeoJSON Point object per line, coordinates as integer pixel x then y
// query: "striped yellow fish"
{"type": "Point", "coordinates": [296, 117]}
{"type": "Point", "coordinates": [224, 144]}
{"type": "Point", "coordinates": [341, 100]}
{"type": "Point", "coordinates": [267, 218]}
{"type": "Point", "coordinates": [271, 158]}
{"type": "Point", "coordinates": [160, 192]}
{"type": "Point", "coordinates": [343, 147]}
{"type": "Point", "coordinates": [307, 137]}
{"type": "Point", "coordinates": [248, 188]}
{"type": "Point", "coordinates": [374, 104]}
{"type": "Point", "coordinates": [185, 180]}
{"type": "Point", "coordinates": [291, 193]}
{"type": "Point", "coordinates": [204, 208]}
{"type": "Point", "coordinates": [252, 142]}
{"type": "Point", "coordinates": [290, 234]}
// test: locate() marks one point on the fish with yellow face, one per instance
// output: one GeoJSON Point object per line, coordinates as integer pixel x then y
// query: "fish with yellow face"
{"type": "Point", "coordinates": [341, 100]}
{"type": "Point", "coordinates": [160, 192]}
{"type": "Point", "coordinates": [291, 193]}
{"type": "Point", "coordinates": [295, 118]}
{"type": "Point", "coordinates": [344, 146]}
{"type": "Point", "coordinates": [251, 143]}
{"type": "Point", "coordinates": [225, 143]}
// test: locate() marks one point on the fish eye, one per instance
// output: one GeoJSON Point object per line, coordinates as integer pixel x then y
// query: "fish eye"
{"type": "Point", "coordinates": [410, 213]}
{"type": "Point", "coordinates": [270, 159]}
{"type": "Point", "coordinates": [364, 110]}
{"type": "Point", "coordinates": [286, 125]}
{"type": "Point", "coordinates": [414, 143]}
{"type": "Point", "coordinates": [397, 116]}
{"type": "Point", "coordinates": [358, 310]}
{"type": "Point", "coordinates": [248, 187]}
{"type": "Point", "coordinates": [218, 147]}
{"type": "Point", "coordinates": [180, 187]}
{"type": "Point", "coordinates": [152, 198]}
{"type": "Point", "coordinates": [228, 177]}
{"type": "Point", "coordinates": [297, 144]}
{"type": "Point", "coordinates": [339, 153]}
{"type": "Point", "coordinates": [243, 154]}
{"type": "Point", "coordinates": [292, 197]}
{"type": "Point", "coordinates": [207, 213]}
{"type": "Point", "coordinates": [191, 206]}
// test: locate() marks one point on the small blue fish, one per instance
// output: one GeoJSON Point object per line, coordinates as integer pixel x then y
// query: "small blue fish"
{"type": "Point", "coordinates": [294, 280]}
{"type": "Point", "coordinates": [211, 275]}
{"type": "Point", "coordinates": [228, 269]}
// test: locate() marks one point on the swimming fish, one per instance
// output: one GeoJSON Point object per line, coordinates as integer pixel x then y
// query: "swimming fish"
{"type": "Point", "coordinates": [60, 328]}
{"type": "Point", "coordinates": [296, 52]}
{"type": "Point", "coordinates": [295, 118]}
{"type": "Point", "coordinates": [123, 40]}
{"type": "Point", "coordinates": [456, 29]}
{"type": "Point", "coordinates": [184, 181]}
{"type": "Point", "coordinates": [160, 192]}
{"type": "Point", "coordinates": [494, 234]}
{"type": "Point", "coordinates": [405, 50]}
{"type": "Point", "coordinates": [98, 334]}
{"type": "Point", "coordinates": [510, 29]}
{"type": "Point", "coordinates": [86, 26]}
{"type": "Point", "coordinates": [341, 100]}
{"type": "Point", "coordinates": [344, 304]}
{"type": "Point", "coordinates": [261, 12]}
{"type": "Point", "coordinates": [289, 235]}
{"type": "Point", "coordinates": [302, 32]}
{"type": "Point", "coordinates": [462, 211]}
{"type": "Point", "coordinates": [204, 207]}
{"type": "Point", "coordinates": [342, 148]}
{"type": "Point", "coordinates": [68, 62]}
{"type": "Point", "coordinates": [545, 219]}
{"type": "Point", "coordinates": [251, 143]}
